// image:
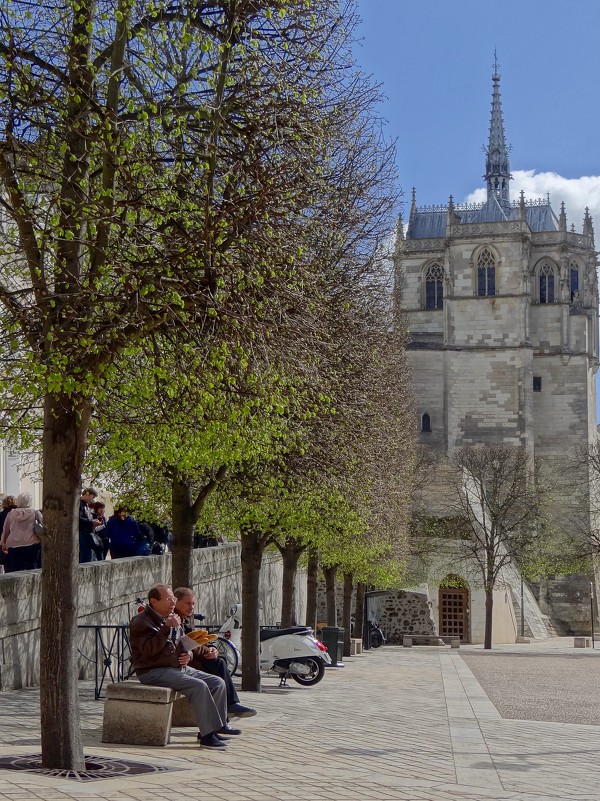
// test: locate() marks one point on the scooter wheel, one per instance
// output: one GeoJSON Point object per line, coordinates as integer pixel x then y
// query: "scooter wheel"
{"type": "Point", "coordinates": [317, 671]}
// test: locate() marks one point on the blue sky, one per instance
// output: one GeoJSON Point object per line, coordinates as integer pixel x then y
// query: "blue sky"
{"type": "Point", "coordinates": [434, 60]}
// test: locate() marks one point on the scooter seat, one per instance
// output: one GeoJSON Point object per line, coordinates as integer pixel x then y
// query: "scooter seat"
{"type": "Point", "coordinates": [268, 634]}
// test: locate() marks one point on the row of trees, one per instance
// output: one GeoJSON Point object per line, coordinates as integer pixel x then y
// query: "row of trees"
{"type": "Point", "coordinates": [195, 198]}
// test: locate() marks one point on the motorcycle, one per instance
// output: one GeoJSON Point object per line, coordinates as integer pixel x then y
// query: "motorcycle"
{"type": "Point", "coordinates": [377, 635]}
{"type": "Point", "coordinates": [291, 652]}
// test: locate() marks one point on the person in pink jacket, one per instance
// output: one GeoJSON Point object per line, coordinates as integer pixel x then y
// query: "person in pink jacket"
{"type": "Point", "coordinates": [19, 541]}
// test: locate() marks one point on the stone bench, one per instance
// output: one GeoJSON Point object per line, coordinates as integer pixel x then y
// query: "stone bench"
{"type": "Point", "coordinates": [408, 640]}
{"type": "Point", "coordinates": [141, 714]}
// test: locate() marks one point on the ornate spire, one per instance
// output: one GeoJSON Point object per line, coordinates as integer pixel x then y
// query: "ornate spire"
{"type": "Point", "coordinates": [497, 168]}
{"type": "Point", "coordinates": [562, 220]}
{"type": "Point", "coordinates": [522, 209]}
{"type": "Point", "coordinates": [587, 223]}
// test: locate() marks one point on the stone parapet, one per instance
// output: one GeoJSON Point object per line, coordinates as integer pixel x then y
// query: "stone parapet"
{"type": "Point", "coordinates": [107, 595]}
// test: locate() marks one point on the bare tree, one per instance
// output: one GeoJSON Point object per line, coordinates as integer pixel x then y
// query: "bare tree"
{"type": "Point", "coordinates": [489, 513]}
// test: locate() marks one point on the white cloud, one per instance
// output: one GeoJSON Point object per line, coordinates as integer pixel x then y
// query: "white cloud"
{"type": "Point", "coordinates": [577, 193]}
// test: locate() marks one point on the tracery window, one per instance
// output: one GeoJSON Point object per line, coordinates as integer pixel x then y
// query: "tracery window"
{"type": "Point", "coordinates": [546, 280]}
{"type": "Point", "coordinates": [434, 287]}
{"type": "Point", "coordinates": [486, 273]}
{"type": "Point", "coordinates": [574, 281]}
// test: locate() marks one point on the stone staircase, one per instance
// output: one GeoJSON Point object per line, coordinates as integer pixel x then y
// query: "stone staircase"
{"type": "Point", "coordinates": [537, 625]}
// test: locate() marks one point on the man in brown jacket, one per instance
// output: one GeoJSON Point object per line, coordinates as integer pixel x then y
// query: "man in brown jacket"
{"type": "Point", "coordinates": [159, 658]}
{"type": "Point", "coordinates": [206, 658]}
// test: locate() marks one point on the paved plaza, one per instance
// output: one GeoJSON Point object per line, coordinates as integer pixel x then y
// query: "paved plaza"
{"type": "Point", "coordinates": [404, 724]}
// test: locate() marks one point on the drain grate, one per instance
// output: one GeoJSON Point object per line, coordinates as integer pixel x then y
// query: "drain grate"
{"type": "Point", "coordinates": [96, 767]}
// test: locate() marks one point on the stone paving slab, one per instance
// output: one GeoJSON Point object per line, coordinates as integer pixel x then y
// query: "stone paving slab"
{"type": "Point", "coordinates": [395, 724]}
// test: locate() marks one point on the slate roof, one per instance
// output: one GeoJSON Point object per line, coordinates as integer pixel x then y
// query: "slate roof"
{"type": "Point", "coordinates": [426, 224]}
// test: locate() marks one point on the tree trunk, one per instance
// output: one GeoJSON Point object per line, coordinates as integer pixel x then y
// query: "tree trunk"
{"type": "Point", "coordinates": [66, 423]}
{"type": "Point", "coordinates": [183, 532]}
{"type": "Point", "coordinates": [330, 574]}
{"type": "Point", "coordinates": [347, 613]}
{"type": "Point", "coordinates": [359, 610]}
{"type": "Point", "coordinates": [252, 553]}
{"type": "Point", "coordinates": [185, 513]}
{"type": "Point", "coordinates": [312, 582]}
{"type": "Point", "coordinates": [290, 554]}
{"type": "Point", "coordinates": [489, 608]}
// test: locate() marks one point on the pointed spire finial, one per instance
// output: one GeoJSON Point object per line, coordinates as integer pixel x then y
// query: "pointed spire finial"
{"type": "Point", "coordinates": [522, 211]}
{"type": "Point", "coordinates": [399, 229]}
{"type": "Point", "coordinates": [562, 220]}
{"type": "Point", "coordinates": [497, 168]}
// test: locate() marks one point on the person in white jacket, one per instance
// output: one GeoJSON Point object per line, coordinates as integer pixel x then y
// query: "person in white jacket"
{"type": "Point", "coordinates": [19, 540]}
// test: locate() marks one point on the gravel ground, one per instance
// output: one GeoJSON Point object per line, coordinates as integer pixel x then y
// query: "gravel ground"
{"type": "Point", "coordinates": [537, 686]}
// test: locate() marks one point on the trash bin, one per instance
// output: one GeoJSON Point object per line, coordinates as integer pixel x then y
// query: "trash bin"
{"type": "Point", "coordinates": [333, 638]}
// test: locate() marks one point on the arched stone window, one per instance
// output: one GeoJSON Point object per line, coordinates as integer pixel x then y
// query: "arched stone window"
{"type": "Point", "coordinates": [547, 281]}
{"type": "Point", "coordinates": [434, 287]}
{"type": "Point", "coordinates": [486, 273]}
{"type": "Point", "coordinates": [573, 282]}
{"type": "Point", "coordinates": [426, 424]}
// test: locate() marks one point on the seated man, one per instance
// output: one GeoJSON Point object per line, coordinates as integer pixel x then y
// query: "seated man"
{"type": "Point", "coordinates": [158, 658]}
{"type": "Point", "coordinates": [205, 657]}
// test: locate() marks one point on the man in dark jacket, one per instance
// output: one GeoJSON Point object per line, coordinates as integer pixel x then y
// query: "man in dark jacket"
{"type": "Point", "coordinates": [206, 658]}
{"type": "Point", "coordinates": [160, 658]}
{"type": "Point", "coordinates": [90, 547]}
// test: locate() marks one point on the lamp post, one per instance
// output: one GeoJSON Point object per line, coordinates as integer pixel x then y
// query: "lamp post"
{"type": "Point", "coordinates": [522, 608]}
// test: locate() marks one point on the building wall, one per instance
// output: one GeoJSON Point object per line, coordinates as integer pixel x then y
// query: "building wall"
{"type": "Point", "coordinates": [107, 595]}
{"type": "Point", "coordinates": [474, 361]}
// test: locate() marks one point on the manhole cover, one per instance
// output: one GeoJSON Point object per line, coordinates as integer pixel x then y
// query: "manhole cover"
{"type": "Point", "coordinates": [96, 767]}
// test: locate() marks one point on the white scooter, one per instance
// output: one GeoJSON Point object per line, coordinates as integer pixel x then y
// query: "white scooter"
{"type": "Point", "coordinates": [294, 651]}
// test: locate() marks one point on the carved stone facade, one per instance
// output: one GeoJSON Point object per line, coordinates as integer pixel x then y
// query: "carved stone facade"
{"type": "Point", "coordinates": [502, 305]}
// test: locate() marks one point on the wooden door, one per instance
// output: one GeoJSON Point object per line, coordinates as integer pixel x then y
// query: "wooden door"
{"type": "Point", "coordinates": [454, 609]}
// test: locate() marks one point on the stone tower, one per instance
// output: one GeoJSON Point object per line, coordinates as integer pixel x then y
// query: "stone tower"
{"type": "Point", "coordinates": [502, 304]}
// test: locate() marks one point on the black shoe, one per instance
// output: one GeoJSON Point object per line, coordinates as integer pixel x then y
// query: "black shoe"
{"type": "Point", "coordinates": [227, 729]}
{"type": "Point", "coordinates": [211, 741]}
{"type": "Point", "coordinates": [240, 711]}
{"type": "Point", "coordinates": [218, 736]}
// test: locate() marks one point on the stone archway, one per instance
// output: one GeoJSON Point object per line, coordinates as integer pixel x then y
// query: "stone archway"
{"type": "Point", "coordinates": [453, 605]}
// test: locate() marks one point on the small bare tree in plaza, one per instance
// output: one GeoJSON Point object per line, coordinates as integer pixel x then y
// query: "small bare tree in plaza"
{"type": "Point", "coordinates": [489, 515]}
{"type": "Point", "coordinates": [500, 504]}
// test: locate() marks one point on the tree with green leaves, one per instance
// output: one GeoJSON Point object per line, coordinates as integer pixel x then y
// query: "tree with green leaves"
{"type": "Point", "coordinates": [147, 154]}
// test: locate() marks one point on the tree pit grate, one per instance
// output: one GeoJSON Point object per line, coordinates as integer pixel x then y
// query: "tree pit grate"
{"type": "Point", "coordinates": [96, 768]}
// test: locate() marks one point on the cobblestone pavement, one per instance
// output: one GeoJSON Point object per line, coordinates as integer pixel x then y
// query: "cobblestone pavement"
{"type": "Point", "coordinates": [402, 724]}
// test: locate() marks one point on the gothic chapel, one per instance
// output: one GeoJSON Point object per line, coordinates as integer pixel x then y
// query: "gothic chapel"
{"type": "Point", "coordinates": [502, 305]}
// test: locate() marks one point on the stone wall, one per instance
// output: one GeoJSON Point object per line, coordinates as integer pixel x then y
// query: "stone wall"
{"type": "Point", "coordinates": [397, 612]}
{"type": "Point", "coordinates": [402, 612]}
{"type": "Point", "coordinates": [107, 594]}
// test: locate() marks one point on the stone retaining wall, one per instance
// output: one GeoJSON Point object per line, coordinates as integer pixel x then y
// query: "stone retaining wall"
{"type": "Point", "coordinates": [397, 612]}
{"type": "Point", "coordinates": [107, 594]}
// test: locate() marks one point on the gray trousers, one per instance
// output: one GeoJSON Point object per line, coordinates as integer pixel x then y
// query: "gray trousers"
{"type": "Point", "coordinates": [207, 694]}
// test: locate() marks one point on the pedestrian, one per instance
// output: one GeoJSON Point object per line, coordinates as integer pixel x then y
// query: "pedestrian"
{"type": "Point", "coordinates": [124, 535]}
{"type": "Point", "coordinates": [90, 545]}
{"type": "Point", "coordinates": [98, 513]}
{"type": "Point", "coordinates": [19, 541]}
